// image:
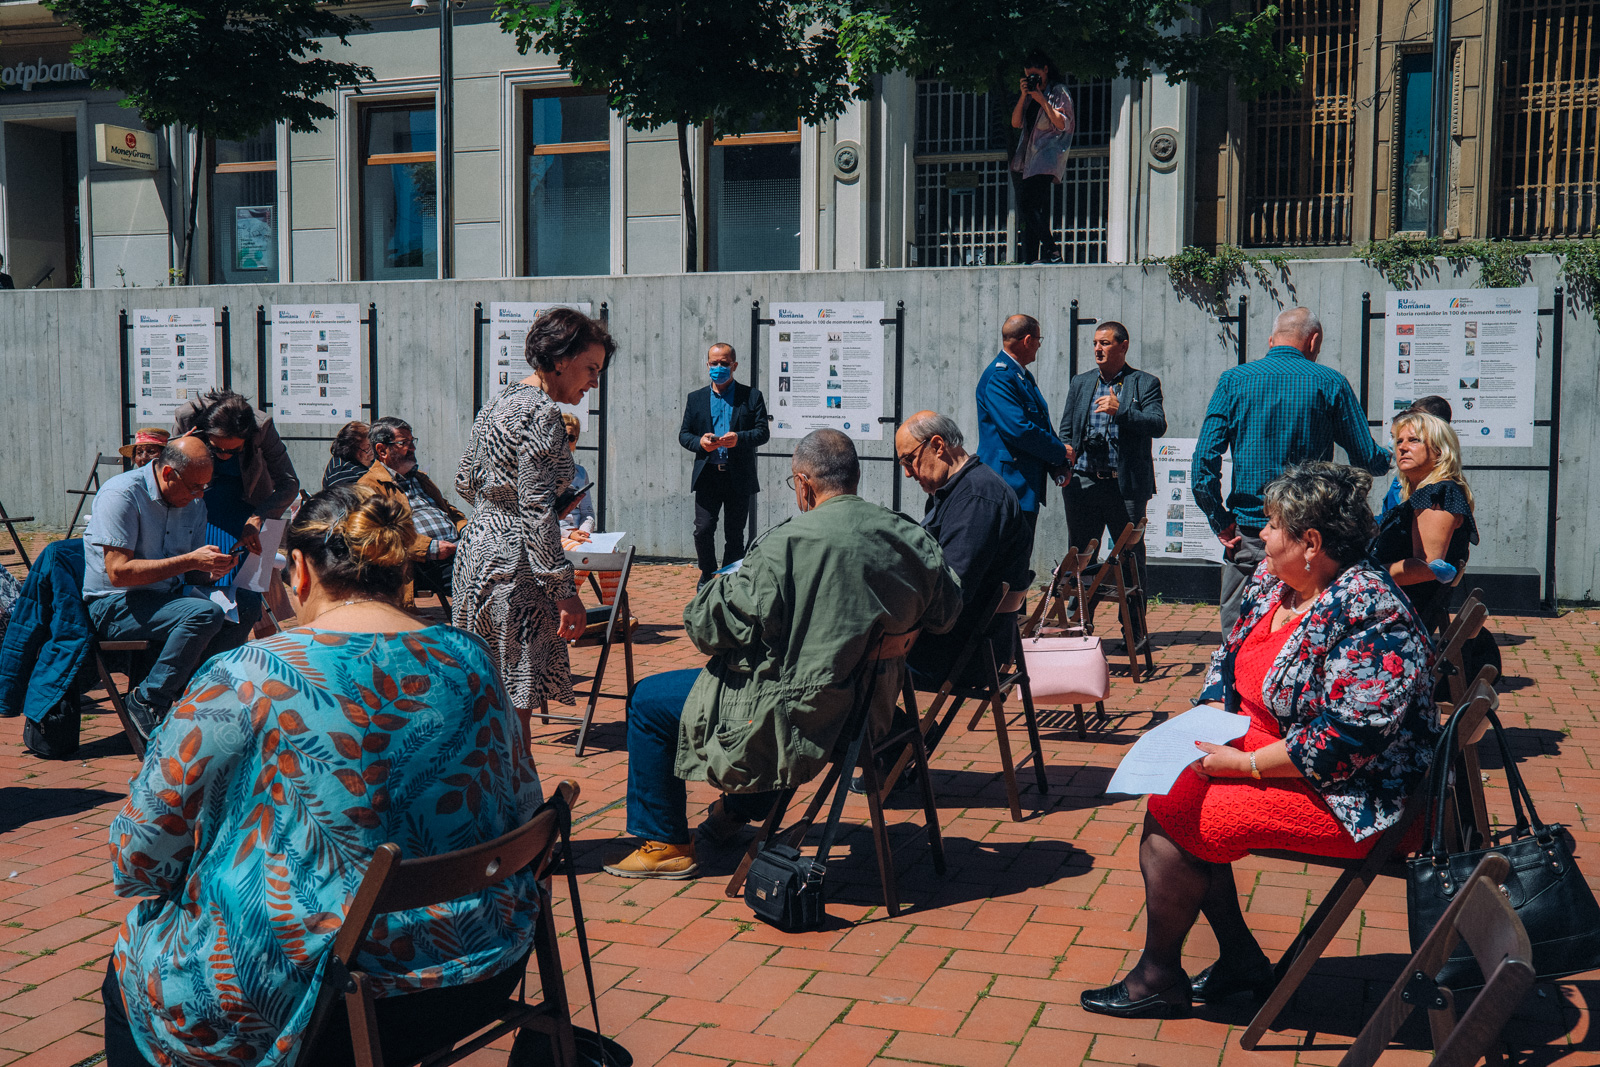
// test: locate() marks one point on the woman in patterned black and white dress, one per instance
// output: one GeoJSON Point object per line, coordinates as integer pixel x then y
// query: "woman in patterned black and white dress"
{"type": "Point", "coordinates": [513, 584]}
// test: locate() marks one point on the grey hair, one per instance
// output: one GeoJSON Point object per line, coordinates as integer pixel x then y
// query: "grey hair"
{"type": "Point", "coordinates": [1329, 498]}
{"type": "Point", "coordinates": [1298, 323]}
{"type": "Point", "coordinates": [936, 425]}
{"type": "Point", "coordinates": [179, 461]}
{"type": "Point", "coordinates": [828, 458]}
{"type": "Point", "coordinates": [383, 431]}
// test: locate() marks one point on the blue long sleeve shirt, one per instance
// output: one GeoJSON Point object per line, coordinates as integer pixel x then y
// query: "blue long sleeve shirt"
{"type": "Point", "coordinates": [1280, 409]}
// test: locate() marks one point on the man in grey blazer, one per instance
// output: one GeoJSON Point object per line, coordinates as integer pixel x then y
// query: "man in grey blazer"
{"type": "Point", "coordinates": [1113, 412]}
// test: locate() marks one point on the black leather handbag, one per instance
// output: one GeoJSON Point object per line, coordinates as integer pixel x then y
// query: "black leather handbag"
{"type": "Point", "coordinates": [785, 888]}
{"type": "Point", "coordinates": [1549, 893]}
{"type": "Point", "coordinates": [55, 735]}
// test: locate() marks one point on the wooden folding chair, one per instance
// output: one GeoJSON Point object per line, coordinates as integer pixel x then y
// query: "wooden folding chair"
{"type": "Point", "coordinates": [91, 484]}
{"type": "Point", "coordinates": [392, 884]}
{"type": "Point", "coordinates": [1482, 916]}
{"type": "Point", "coordinates": [1126, 589]}
{"type": "Point", "coordinates": [864, 680]}
{"type": "Point", "coordinates": [1357, 875]}
{"type": "Point", "coordinates": [1067, 582]}
{"type": "Point", "coordinates": [610, 621]}
{"type": "Point", "coordinates": [999, 679]}
{"type": "Point", "coordinates": [18, 549]}
{"type": "Point", "coordinates": [1467, 624]}
{"type": "Point", "coordinates": [97, 649]}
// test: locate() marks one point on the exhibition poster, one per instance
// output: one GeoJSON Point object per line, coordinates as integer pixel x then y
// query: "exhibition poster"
{"type": "Point", "coordinates": [174, 359]}
{"type": "Point", "coordinates": [1177, 529]}
{"type": "Point", "coordinates": [255, 238]}
{"type": "Point", "coordinates": [826, 369]}
{"type": "Point", "coordinates": [314, 367]}
{"type": "Point", "coordinates": [508, 333]}
{"type": "Point", "coordinates": [1477, 348]}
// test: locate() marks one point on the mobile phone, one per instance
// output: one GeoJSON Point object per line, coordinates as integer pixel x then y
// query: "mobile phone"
{"type": "Point", "coordinates": [569, 496]}
{"type": "Point", "coordinates": [239, 550]}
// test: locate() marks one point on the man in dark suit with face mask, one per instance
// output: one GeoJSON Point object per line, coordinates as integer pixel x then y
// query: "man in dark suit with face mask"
{"type": "Point", "coordinates": [723, 425]}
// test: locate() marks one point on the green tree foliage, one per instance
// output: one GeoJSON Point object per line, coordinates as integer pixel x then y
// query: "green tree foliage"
{"type": "Point", "coordinates": [978, 44]}
{"type": "Point", "coordinates": [730, 63]}
{"type": "Point", "coordinates": [223, 68]}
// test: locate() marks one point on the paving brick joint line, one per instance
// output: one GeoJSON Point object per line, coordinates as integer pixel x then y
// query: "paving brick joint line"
{"type": "Point", "coordinates": [984, 967]}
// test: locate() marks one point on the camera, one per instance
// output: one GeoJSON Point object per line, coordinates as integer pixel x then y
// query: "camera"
{"type": "Point", "coordinates": [1097, 449]}
{"type": "Point", "coordinates": [1033, 82]}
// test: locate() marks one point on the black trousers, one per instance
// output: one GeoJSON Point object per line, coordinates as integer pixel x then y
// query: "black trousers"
{"type": "Point", "coordinates": [409, 1025]}
{"type": "Point", "coordinates": [1033, 207]}
{"type": "Point", "coordinates": [1096, 508]}
{"type": "Point", "coordinates": [715, 494]}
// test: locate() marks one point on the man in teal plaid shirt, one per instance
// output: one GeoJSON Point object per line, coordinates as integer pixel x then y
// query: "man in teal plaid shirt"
{"type": "Point", "coordinates": [1284, 408]}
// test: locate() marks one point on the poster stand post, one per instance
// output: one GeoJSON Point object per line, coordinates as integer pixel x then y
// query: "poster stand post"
{"type": "Point", "coordinates": [370, 404]}
{"type": "Point", "coordinates": [1074, 321]}
{"type": "Point", "coordinates": [1242, 320]}
{"type": "Point", "coordinates": [1551, 468]}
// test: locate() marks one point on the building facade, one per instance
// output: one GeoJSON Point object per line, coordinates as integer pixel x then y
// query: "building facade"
{"type": "Point", "coordinates": [1346, 158]}
{"type": "Point", "coordinates": [548, 181]}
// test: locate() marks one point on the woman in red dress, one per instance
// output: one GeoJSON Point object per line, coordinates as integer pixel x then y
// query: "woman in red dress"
{"type": "Point", "coordinates": [1331, 664]}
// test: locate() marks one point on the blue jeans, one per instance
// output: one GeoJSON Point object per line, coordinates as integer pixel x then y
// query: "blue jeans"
{"type": "Point", "coordinates": [183, 626]}
{"type": "Point", "coordinates": [658, 801]}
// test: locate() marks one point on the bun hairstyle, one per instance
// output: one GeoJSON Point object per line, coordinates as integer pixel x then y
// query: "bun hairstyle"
{"type": "Point", "coordinates": [561, 333]}
{"type": "Point", "coordinates": [355, 539]}
{"type": "Point", "coordinates": [1329, 498]}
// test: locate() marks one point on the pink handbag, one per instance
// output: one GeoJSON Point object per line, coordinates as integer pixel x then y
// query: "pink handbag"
{"type": "Point", "coordinates": [1066, 670]}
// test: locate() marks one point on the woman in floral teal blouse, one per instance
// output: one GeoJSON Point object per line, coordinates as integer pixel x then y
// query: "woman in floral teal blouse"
{"type": "Point", "coordinates": [263, 795]}
{"type": "Point", "coordinates": [1335, 672]}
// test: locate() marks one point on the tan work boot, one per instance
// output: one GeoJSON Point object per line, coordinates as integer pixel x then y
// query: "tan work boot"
{"type": "Point", "coordinates": [657, 859]}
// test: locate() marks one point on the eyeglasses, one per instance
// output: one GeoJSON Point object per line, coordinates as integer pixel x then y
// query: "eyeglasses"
{"type": "Point", "coordinates": [192, 488]}
{"type": "Point", "coordinates": [572, 437]}
{"type": "Point", "coordinates": [910, 458]}
{"type": "Point", "coordinates": [790, 480]}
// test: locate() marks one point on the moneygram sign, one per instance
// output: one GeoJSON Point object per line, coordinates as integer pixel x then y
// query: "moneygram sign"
{"type": "Point", "coordinates": [122, 147]}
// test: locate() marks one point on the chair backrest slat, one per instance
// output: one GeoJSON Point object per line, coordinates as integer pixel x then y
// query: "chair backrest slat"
{"type": "Point", "coordinates": [430, 880]}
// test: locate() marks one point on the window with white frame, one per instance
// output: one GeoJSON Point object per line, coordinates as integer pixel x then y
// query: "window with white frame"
{"type": "Point", "coordinates": [567, 184]}
{"type": "Point", "coordinates": [753, 200]}
{"type": "Point", "coordinates": [399, 197]}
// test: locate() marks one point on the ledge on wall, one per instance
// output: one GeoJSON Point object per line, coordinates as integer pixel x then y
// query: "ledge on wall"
{"type": "Point", "coordinates": [1506, 590]}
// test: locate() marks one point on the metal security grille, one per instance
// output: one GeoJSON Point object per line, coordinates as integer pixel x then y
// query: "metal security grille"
{"type": "Point", "coordinates": [1299, 156]}
{"type": "Point", "coordinates": [962, 185]}
{"type": "Point", "coordinates": [1548, 119]}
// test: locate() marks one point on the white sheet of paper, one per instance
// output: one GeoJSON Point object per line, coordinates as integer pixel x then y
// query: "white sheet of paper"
{"type": "Point", "coordinates": [255, 574]}
{"type": "Point", "coordinates": [604, 542]}
{"type": "Point", "coordinates": [222, 597]}
{"type": "Point", "coordinates": [1154, 762]}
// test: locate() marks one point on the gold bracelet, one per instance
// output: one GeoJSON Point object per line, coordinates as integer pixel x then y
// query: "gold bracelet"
{"type": "Point", "coordinates": [1254, 771]}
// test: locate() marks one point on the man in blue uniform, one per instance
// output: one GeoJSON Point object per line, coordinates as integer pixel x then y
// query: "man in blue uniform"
{"type": "Point", "coordinates": [1015, 437]}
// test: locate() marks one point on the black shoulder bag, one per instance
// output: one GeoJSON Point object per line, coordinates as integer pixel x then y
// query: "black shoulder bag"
{"type": "Point", "coordinates": [1549, 893]}
{"type": "Point", "coordinates": [786, 889]}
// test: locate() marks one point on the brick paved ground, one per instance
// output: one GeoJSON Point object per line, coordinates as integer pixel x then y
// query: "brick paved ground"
{"type": "Point", "coordinates": [982, 970]}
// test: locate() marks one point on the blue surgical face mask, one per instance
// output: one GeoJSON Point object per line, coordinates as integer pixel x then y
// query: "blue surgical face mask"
{"type": "Point", "coordinates": [720, 374]}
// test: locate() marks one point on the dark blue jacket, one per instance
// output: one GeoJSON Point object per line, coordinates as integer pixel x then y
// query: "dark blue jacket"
{"type": "Point", "coordinates": [749, 422]}
{"type": "Point", "coordinates": [47, 641]}
{"type": "Point", "coordinates": [1015, 437]}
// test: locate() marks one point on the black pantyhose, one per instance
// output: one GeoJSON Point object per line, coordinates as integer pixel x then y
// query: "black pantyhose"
{"type": "Point", "coordinates": [1178, 888]}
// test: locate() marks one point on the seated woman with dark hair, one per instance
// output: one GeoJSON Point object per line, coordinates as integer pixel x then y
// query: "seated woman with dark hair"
{"type": "Point", "coordinates": [349, 456]}
{"type": "Point", "coordinates": [265, 792]}
{"type": "Point", "coordinates": [1334, 670]}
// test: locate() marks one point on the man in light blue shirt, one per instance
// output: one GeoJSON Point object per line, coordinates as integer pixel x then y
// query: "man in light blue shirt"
{"type": "Point", "coordinates": [147, 530]}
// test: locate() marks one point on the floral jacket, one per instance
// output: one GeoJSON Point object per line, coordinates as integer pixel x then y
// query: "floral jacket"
{"type": "Point", "coordinates": [253, 819]}
{"type": "Point", "coordinates": [1352, 690]}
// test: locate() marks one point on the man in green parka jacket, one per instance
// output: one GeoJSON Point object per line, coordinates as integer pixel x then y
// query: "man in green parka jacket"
{"type": "Point", "coordinates": [784, 633]}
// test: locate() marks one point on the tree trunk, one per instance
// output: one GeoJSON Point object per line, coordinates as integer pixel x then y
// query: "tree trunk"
{"type": "Point", "coordinates": [194, 203]}
{"type": "Point", "coordinates": [691, 250]}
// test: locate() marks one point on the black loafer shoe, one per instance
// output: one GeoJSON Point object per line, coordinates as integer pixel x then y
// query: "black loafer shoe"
{"type": "Point", "coordinates": [1213, 987]}
{"type": "Point", "coordinates": [1172, 1002]}
{"type": "Point", "coordinates": [145, 718]}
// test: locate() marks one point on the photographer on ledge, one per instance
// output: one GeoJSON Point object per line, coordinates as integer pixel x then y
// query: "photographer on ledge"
{"type": "Point", "coordinates": [1046, 118]}
{"type": "Point", "coordinates": [1113, 412]}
